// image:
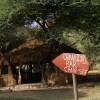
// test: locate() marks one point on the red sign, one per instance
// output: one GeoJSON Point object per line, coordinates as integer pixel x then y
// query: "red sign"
{"type": "Point", "coordinates": [72, 63]}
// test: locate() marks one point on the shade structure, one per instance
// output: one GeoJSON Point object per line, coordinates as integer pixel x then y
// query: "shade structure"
{"type": "Point", "coordinates": [35, 51]}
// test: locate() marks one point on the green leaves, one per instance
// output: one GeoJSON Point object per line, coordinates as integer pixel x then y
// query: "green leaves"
{"type": "Point", "coordinates": [77, 25]}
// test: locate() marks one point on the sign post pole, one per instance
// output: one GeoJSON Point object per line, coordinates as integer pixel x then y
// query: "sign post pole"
{"type": "Point", "coordinates": [75, 87]}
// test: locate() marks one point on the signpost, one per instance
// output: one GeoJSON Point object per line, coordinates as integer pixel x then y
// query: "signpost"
{"type": "Point", "coordinates": [73, 63]}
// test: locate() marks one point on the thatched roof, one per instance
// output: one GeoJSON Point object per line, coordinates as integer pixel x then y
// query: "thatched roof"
{"type": "Point", "coordinates": [32, 43]}
{"type": "Point", "coordinates": [35, 51]}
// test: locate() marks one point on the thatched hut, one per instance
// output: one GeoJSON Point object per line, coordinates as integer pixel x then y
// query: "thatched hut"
{"type": "Point", "coordinates": [33, 54]}
{"type": "Point", "coordinates": [29, 61]}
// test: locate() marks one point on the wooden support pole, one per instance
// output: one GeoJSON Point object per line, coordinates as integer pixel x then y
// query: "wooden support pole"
{"type": "Point", "coordinates": [75, 90]}
{"type": "Point", "coordinates": [19, 76]}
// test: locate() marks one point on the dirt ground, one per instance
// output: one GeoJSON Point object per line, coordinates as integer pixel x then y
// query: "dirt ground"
{"type": "Point", "coordinates": [86, 92]}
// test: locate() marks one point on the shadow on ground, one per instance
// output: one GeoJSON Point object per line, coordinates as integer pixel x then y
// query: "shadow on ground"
{"type": "Point", "coordinates": [59, 94]}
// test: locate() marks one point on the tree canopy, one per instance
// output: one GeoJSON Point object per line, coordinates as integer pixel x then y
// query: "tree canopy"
{"type": "Point", "coordinates": [73, 22]}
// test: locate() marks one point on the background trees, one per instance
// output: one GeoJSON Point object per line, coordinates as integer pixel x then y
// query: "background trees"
{"type": "Point", "coordinates": [73, 22]}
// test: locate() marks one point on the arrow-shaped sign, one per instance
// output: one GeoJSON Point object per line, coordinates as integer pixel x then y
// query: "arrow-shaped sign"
{"type": "Point", "coordinates": [72, 63]}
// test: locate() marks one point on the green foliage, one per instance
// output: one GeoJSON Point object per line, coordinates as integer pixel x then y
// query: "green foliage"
{"type": "Point", "coordinates": [96, 2]}
{"type": "Point", "coordinates": [78, 25]}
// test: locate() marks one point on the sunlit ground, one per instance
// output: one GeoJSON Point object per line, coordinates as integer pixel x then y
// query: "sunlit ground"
{"type": "Point", "coordinates": [85, 93]}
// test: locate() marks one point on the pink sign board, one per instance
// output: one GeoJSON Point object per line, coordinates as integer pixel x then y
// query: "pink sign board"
{"type": "Point", "coordinates": [72, 63]}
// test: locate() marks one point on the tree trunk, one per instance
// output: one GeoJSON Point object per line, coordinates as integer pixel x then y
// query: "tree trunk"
{"type": "Point", "coordinates": [43, 74]}
{"type": "Point", "coordinates": [19, 76]}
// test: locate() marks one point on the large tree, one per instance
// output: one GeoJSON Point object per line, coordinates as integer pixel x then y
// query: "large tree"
{"type": "Point", "coordinates": [77, 23]}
